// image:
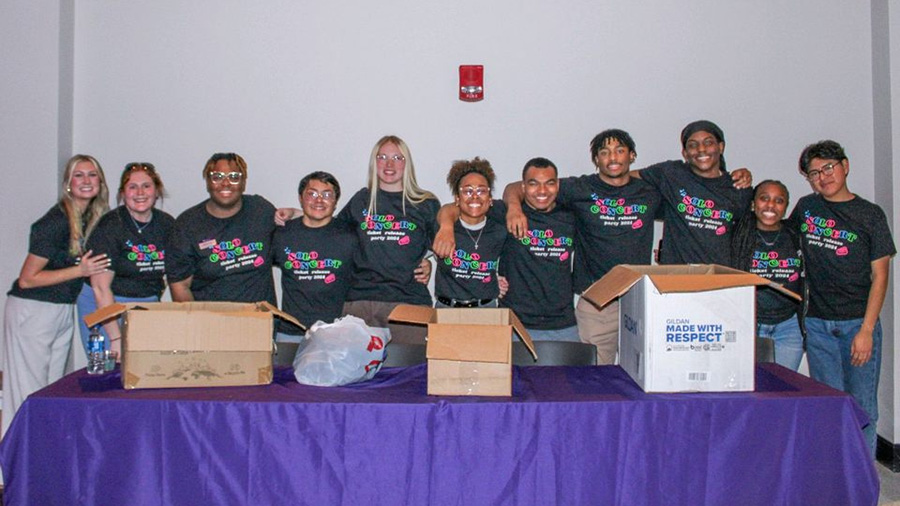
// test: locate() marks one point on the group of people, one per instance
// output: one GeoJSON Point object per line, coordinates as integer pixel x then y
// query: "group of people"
{"type": "Point", "coordinates": [547, 241]}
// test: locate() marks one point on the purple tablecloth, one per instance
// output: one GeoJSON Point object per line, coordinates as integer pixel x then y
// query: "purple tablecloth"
{"type": "Point", "coordinates": [569, 435]}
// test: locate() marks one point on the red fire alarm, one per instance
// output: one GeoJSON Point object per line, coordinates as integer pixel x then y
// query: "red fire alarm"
{"type": "Point", "coordinates": [471, 83]}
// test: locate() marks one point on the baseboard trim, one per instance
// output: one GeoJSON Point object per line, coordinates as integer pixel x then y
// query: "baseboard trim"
{"type": "Point", "coordinates": [888, 454]}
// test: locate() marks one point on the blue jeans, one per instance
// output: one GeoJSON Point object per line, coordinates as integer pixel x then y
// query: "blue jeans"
{"type": "Point", "coordinates": [86, 305]}
{"type": "Point", "coordinates": [828, 351]}
{"type": "Point", "coordinates": [566, 334]}
{"type": "Point", "coordinates": [788, 341]}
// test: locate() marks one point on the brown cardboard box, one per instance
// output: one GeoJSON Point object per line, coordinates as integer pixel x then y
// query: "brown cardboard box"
{"type": "Point", "coordinates": [194, 344]}
{"type": "Point", "coordinates": [469, 349]}
{"type": "Point", "coordinates": [685, 328]}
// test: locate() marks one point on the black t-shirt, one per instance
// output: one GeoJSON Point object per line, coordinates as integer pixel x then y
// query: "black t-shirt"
{"type": "Point", "coordinates": [316, 270]}
{"type": "Point", "coordinates": [699, 213]}
{"type": "Point", "coordinates": [138, 255]}
{"type": "Point", "coordinates": [391, 246]}
{"type": "Point", "coordinates": [776, 256]}
{"type": "Point", "coordinates": [50, 239]}
{"type": "Point", "coordinates": [229, 258]}
{"type": "Point", "coordinates": [840, 240]}
{"type": "Point", "coordinates": [538, 268]}
{"type": "Point", "coordinates": [471, 273]}
{"type": "Point", "coordinates": [614, 224]}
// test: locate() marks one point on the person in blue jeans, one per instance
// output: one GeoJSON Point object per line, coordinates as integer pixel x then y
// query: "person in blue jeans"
{"type": "Point", "coordinates": [764, 245]}
{"type": "Point", "coordinates": [848, 247]}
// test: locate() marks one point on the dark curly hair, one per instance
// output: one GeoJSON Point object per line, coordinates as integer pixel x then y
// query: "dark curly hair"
{"type": "Point", "coordinates": [462, 168]}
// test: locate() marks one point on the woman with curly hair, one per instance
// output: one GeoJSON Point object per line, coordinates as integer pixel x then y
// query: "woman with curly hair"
{"type": "Point", "coordinates": [468, 277]}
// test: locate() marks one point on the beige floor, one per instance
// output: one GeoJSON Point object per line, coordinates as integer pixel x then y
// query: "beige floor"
{"type": "Point", "coordinates": [890, 486]}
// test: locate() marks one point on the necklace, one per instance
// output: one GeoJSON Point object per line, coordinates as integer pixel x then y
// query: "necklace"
{"type": "Point", "coordinates": [474, 239]}
{"type": "Point", "coordinates": [140, 228]}
{"type": "Point", "coordinates": [768, 243]}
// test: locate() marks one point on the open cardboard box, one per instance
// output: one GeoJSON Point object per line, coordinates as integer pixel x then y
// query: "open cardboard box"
{"type": "Point", "coordinates": [469, 350]}
{"type": "Point", "coordinates": [685, 327]}
{"type": "Point", "coordinates": [193, 344]}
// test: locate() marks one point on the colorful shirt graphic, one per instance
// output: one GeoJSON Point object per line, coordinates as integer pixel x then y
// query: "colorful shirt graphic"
{"type": "Point", "coordinates": [230, 259]}
{"type": "Point", "coordinates": [614, 224]}
{"type": "Point", "coordinates": [538, 268]}
{"type": "Point", "coordinates": [699, 213]}
{"type": "Point", "coordinates": [391, 246]}
{"type": "Point", "coordinates": [471, 272]}
{"type": "Point", "coordinates": [138, 257]}
{"type": "Point", "coordinates": [316, 270]}
{"type": "Point", "coordinates": [840, 240]}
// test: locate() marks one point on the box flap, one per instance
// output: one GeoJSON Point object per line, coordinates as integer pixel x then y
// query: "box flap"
{"type": "Point", "coordinates": [468, 342]}
{"type": "Point", "coordinates": [409, 313]}
{"type": "Point", "coordinates": [105, 313]}
{"type": "Point", "coordinates": [675, 279]}
{"type": "Point", "coordinates": [523, 333]}
{"type": "Point", "coordinates": [267, 307]}
{"type": "Point", "coordinates": [614, 284]}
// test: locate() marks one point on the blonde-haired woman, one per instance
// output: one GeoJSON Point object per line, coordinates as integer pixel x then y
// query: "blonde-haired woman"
{"type": "Point", "coordinates": [395, 221]}
{"type": "Point", "coordinates": [39, 314]}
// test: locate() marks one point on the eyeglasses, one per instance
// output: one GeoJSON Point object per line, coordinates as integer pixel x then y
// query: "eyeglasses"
{"type": "Point", "coordinates": [395, 158]}
{"type": "Point", "coordinates": [326, 195]}
{"type": "Point", "coordinates": [145, 166]}
{"type": "Point", "coordinates": [233, 177]}
{"type": "Point", "coordinates": [827, 169]}
{"type": "Point", "coordinates": [469, 191]}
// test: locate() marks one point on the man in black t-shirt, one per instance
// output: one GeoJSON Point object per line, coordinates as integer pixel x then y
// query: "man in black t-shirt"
{"type": "Point", "coordinates": [316, 256]}
{"type": "Point", "coordinates": [538, 267]}
{"type": "Point", "coordinates": [847, 246]}
{"type": "Point", "coordinates": [221, 249]}
{"type": "Point", "coordinates": [614, 217]}
{"type": "Point", "coordinates": [701, 203]}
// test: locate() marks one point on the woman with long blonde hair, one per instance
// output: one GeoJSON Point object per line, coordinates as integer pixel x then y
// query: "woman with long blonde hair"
{"type": "Point", "coordinates": [39, 313]}
{"type": "Point", "coordinates": [395, 221]}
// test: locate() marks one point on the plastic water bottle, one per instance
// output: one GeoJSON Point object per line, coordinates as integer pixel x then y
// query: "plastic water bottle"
{"type": "Point", "coordinates": [96, 352]}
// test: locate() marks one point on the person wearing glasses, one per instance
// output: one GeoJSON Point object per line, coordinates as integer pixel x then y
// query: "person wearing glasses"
{"type": "Point", "coordinates": [316, 256]}
{"type": "Point", "coordinates": [39, 313]}
{"type": "Point", "coordinates": [394, 220]}
{"type": "Point", "coordinates": [768, 247]}
{"type": "Point", "coordinates": [468, 276]}
{"type": "Point", "coordinates": [221, 249]}
{"type": "Point", "coordinates": [847, 245]}
{"type": "Point", "coordinates": [134, 237]}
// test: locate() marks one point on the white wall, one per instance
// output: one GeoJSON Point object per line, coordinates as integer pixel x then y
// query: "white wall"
{"type": "Point", "coordinates": [297, 86]}
{"type": "Point", "coordinates": [34, 136]}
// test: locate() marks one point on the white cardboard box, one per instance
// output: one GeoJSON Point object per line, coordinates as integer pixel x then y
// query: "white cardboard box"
{"type": "Point", "coordinates": [685, 328]}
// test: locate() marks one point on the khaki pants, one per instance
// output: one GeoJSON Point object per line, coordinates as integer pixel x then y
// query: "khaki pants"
{"type": "Point", "coordinates": [600, 328]}
{"type": "Point", "coordinates": [375, 313]}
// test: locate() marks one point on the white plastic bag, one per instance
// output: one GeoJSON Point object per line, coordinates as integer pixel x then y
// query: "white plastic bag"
{"type": "Point", "coordinates": [340, 353]}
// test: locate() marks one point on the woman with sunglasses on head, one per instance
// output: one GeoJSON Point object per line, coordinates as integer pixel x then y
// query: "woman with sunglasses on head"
{"type": "Point", "coordinates": [468, 277]}
{"type": "Point", "coordinates": [39, 316]}
{"type": "Point", "coordinates": [134, 237]}
{"type": "Point", "coordinates": [394, 220]}
{"type": "Point", "coordinates": [221, 249]}
{"type": "Point", "coordinates": [764, 245]}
